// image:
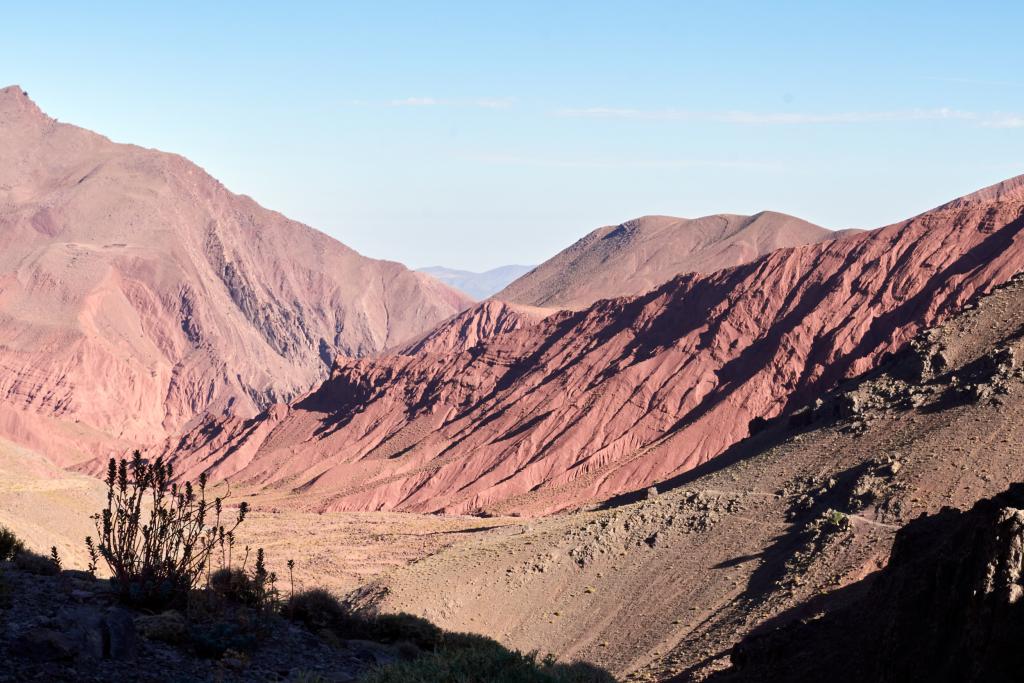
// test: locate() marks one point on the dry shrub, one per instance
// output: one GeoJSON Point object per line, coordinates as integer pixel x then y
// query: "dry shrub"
{"type": "Point", "coordinates": [158, 538]}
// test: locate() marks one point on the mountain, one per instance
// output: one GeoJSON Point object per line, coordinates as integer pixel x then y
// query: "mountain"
{"type": "Point", "coordinates": [637, 256]}
{"type": "Point", "coordinates": [477, 285]}
{"type": "Point", "coordinates": [828, 545]}
{"type": "Point", "coordinates": [582, 406]}
{"type": "Point", "coordinates": [137, 293]}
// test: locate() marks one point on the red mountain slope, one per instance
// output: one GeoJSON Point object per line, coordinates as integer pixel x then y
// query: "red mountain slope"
{"type": "Point", "coordinates": [629, 392]}
{"type": "Point", "coordinates": [638, 255]}
{"type": "Point", "coordinates": [136, 293]}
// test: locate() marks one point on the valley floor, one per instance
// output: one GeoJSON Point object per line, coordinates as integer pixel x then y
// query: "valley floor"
{"type": "Point", "coordinates": [341, 551]}
{"type": "Point", "coordinates": [786, 525]}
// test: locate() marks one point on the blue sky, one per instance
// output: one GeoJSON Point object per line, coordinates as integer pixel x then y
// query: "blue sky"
{"type": "Point", "coordinates": [473, 134]}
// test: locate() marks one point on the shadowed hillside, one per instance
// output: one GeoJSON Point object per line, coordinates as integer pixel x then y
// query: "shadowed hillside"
{"type": "Point", "coordinates": [784, 526]}
{"type": "Point", "coordinates": [586, 405]}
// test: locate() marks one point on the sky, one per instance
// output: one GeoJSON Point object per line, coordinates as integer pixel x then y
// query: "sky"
{"type": "Point", "coordinates": [478, 134]}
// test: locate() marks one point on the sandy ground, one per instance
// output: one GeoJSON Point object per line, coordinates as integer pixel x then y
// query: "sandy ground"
{"type": "Point", "coordinates": [341, 551]}
{"type": "Point", "coordinates": [48, 506]}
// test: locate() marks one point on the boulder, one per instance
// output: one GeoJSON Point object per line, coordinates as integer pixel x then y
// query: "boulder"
{"type": "Point", "coordinates": [97, 633]}
{"type": "Point", "coordinates": [168, 627]}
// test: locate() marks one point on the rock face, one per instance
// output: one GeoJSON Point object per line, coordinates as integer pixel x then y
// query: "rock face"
{"type": "Point", "coordinates": [637, 256]}
{"type": "Point", "coordinates": [947, 607]}
{"type": "Point", "coordinates": [136, 293]}
{"type": "Point", "coordinates": [474, 327]}
{"type": "Point", "coordinates": [585, 405]}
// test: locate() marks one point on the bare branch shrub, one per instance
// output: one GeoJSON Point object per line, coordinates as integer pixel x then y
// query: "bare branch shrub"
{"type": "Point", "coordinates": [158, 538]}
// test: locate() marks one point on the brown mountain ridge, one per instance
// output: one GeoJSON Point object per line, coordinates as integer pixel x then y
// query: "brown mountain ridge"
{"type": "Point", "coordinates": [137, 293]}
{"type": "Point", "coordinates": [638, 255]}
{"type": "Point", "coordinates": [586, 405]}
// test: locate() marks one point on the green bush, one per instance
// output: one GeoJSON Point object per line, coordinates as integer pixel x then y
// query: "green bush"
{"type": "Point", "coordinates": [397, 628]}
{"type": "Point", "coordinates": [254, 589]}
{"type": "Point", "coordinates": [317, 609]}
{"type": "Point", "coordinates": [234, 584]}
{"type": "Point", "coordinates": [836, 520]}
{"type": "Point", "coordinates": [10, 545]}
{"type": "Point", "coordinates": [481, 660]}
{"type": "Point", "coordinates": [34, 563]}
{"type": "Point", "coordinates": [12, 549]}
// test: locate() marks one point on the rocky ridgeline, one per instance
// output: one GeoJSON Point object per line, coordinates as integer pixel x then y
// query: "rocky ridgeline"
{"type": "Point", "coordinates": [924, 373]}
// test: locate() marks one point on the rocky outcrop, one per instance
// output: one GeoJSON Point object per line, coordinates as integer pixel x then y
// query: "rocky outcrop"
{"type": "Point", "coordinates": [586, 405]}
{"type": "Point", "coordinates": [70, 628]}
{"type": "Point", "coordinates": [137, 293]}
{"type": "Point", "coordinates": [474, 327]}
{"type": "Point", "coordinates": [639, 255]}
{"type": "Point", "coordinates": [947, 607]}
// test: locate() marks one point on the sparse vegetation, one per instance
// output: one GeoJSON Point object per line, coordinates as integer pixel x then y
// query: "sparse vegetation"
{"type": "Point", "coordinates": [475, 659]}
{"type": "Point", "coordinates": [34, 563]}
{"type": "Point", "coordinates": [10, 545]}
{"type": "Point", "coordinates": [169, 554]}
{"type": "Point", "coordinates": [317, 609]}
{"type": "Point", "coordinates": [157, 538]}
{"type": "Point", "coordinates": [430, 654]}
{"type": "Point", "coordinates": [12, 549]}
{"type": "Point", "coordinates": [256, 589]}
{"type": "Point", "coordinates": [834, 520]}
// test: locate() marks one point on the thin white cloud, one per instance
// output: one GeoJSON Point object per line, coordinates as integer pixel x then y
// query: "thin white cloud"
{"type": "Point", "coordinates": [494, 102]}
{"type": "Point", "coordinates": [770, 118]}
{"type": "Point", "coordinates": [512, 160]}
{"type": "Point", "coordinates": [1004, 121]}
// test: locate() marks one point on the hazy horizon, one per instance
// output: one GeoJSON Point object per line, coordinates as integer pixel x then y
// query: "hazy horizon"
{"type": "Point", "coordinates": [474, 137]}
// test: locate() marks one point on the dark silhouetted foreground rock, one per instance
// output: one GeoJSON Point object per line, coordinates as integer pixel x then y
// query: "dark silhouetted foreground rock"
{"type": "Point", "coordinates": [947, 607]}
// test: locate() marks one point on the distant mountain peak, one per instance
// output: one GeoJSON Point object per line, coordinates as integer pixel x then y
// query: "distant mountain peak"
{"type": "Point", "coordinates": [640, 254]}
{"type": "Point", "coordinates": [477, 285]}
{"type": "Point", "coordinates": [15, 101]}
